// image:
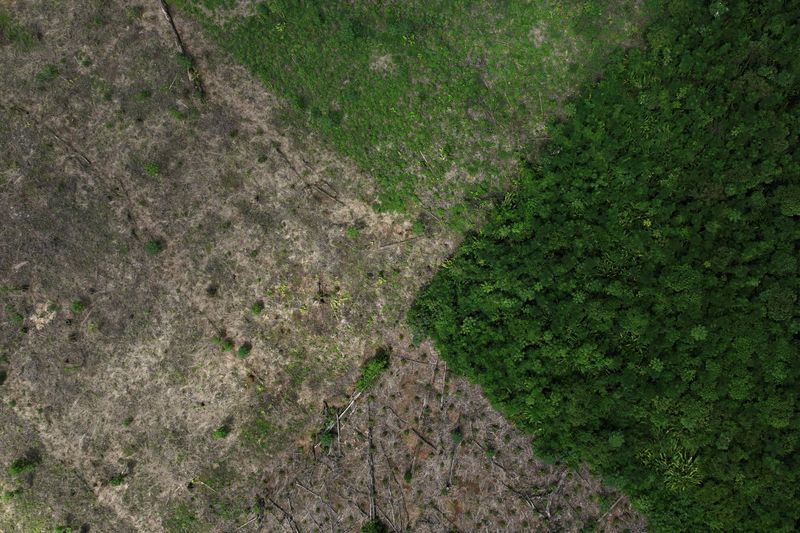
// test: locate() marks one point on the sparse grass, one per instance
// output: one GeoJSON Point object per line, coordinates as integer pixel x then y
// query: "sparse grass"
{"type": "Point", "coordinates": [46, 74]}
{"type": "Point", "coordinates": [13, 315]}
{"type": "Point", "coordinates": [181, 520]}
{"type": "Point", "coordinates": [14, 33]}
{"type": "Point", "coordinates": [153, 247]}
{"type": "Point", "coordinates": [185, 61]}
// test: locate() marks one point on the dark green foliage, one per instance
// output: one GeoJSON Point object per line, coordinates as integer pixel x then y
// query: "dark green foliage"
{"type": "Point", "coordinates": [374, 526]}
{"type": "Point", "coordinates": [257, 308]}
{"type": "Point", "coordinates": [633, 303]}
{"type": "Point", "coordinates": [77, 306]}
{"type": "Point", "coordinates": [244, 350]}
{"type": "Point", "coordinates": [326, 439]}
{"type": "Point", "coordinates": [372, 369]}
{"type": "Point", "coordinates": [23, 464]}
{"type": "Point", "coordinates": [153, 247]}
{"type": "Point", "coordinates": [117, 480]}
{"type": "Point", "coordinates": [223, 342]}
{"type": "Point", "coordinates": [457, 436]}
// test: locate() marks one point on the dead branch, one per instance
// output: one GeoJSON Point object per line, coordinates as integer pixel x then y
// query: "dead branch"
{"type": "Point", "coordinates": [609, 510]}
{"type": "Point", "coordinates": [289, 518]}
{"type": "Point", "coordinates": [371, 463]}
{"type": "Point", "coordinates": [191, 71]}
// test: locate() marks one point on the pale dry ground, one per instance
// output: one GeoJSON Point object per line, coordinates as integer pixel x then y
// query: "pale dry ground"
{"type": "Point", "coordinates": [248, 209]}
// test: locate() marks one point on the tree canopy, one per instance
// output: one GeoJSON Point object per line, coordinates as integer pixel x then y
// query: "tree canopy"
{"type": "Point", "coordinates": [633, 302]}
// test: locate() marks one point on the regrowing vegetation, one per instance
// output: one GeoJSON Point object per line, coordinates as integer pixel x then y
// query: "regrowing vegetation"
{"type": "Point", "coordinates": [433, 99]}
{"type": "Point", "coordinates": [634, 301]}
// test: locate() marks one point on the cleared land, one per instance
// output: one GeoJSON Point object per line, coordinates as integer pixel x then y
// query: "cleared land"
{"type": "Point", "coordinates": [187, 283]}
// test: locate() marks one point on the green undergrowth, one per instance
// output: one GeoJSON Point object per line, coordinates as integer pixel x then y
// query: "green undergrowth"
{"type": "Point", "coordinates": [634, 301]}
{"type": "Point", "coordinates": [411, 90]}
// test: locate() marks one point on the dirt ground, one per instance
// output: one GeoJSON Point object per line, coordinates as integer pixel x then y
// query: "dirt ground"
{"type": "Point", "coordinates": [137, 223]}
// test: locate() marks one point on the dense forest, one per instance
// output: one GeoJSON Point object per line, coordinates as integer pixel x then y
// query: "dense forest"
{"type": "Point", "coordinates": [633, 302]}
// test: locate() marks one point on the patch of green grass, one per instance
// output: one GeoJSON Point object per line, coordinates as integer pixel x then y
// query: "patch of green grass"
{"type": "Point", "coordinates": [257, 308]}
{"type": "Point", "coordinates": [153, 247]}
{"type": "Point", "coordinates": [181, 520]}
{"type": "Point", "coordinates": [77, 306]}
{"type": "Point", "coordinates": [13, 315]}
{"type": "Point", "coordinates": [11, 32]}
{"type": "Point", "coordinates": [457, 436]}
{"type": "Point", "coordinates": [409, 89]}
{"type": "Point", "coordinates": [185, 61]}
{"type": "Point", "coordinates": [142, 95]}
{"type": "Point", "coordinates": [152, 169]}
{"type": "Point", "coordinates": [46, 74]}
{"type": "Point", "coordinates": [221, 432]}
{"type": "Point", "coordinates": [372, 370]}
{"type": "Point", "coordinates": [374, 526]}
{"type": "Point", "coordinates": [352, 233]}
{"type": "Point", "coordinates": [117, 480]}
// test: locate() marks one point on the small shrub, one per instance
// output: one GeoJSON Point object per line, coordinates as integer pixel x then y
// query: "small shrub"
{"type": "Point", "coordinates": [374, 526]}
{"type": "Point", "coordinates": [257, 308]}
{"type": "Point", "coordinates": [457, 436]}
{"type": "Point", "coordinates": [326, 439]}
{"type": "Point", "coordinates": [407, 475]}
{"type": "Point", "coordinates": [128, 421]}
{"type": "Point", "coordinates": [224, 343]}
{"type": "Point", "coordinates": [244, 350]}
{"type": "Point", "coordinates": [372, 369]}
{"type": "Point", "coordinates": [153, 247]}
{"type": "Point", "coordinates": [490, 452]}
{"type": "Point", "coordinates": [117, 480]}
{"type": "Point", "coordinates": [221, 432]}
{"type": "Point", "coordinates": [352, 233]}
{"type": "Point", "coordinates": [152, 169]}
{"type": "Point", "coordinates": [23, 464]}
{"type": "Point", "coordinates": [77, 306]}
